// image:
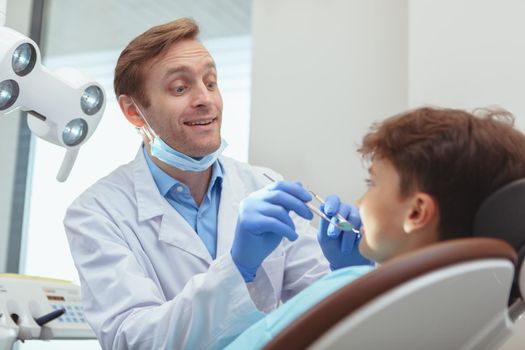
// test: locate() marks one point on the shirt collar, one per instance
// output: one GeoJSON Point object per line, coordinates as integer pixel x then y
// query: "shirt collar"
{"type": "Point", "coordinates": [165, 182]}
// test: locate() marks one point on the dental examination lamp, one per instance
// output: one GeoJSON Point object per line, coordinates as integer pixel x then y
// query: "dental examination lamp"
{"type": "Point", "coordinates": [64, 106]}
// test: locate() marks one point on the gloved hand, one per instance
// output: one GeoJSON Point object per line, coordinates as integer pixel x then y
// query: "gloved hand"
{"type": "Point", "coordinates": [340, 248]}
{"type": "Point", "coordinates": [264, 220]}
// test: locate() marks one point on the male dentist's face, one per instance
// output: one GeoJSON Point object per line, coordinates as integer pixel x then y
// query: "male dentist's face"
{"type": "Point", "coordinates": [382, 211]}
{"type": "Point", "coordinates": [186, 105]}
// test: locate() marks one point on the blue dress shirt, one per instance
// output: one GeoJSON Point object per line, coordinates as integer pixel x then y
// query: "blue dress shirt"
{"type": "Point", "coordinates": [203, 218]}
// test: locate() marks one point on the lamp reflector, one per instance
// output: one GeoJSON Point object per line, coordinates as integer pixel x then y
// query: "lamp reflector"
{"type": "Point", "coordinates": [91, 100]}
{"type": "Point", "coordinates": [75, 132]}
{"type": "Point", "coordinates": [24, 58]}
{"type": "Point", "coordinates": [9, 92]}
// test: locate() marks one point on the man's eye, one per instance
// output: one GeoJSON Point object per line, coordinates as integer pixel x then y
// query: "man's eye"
{"type": "Point", "coordinates": [211, 85]}
{"type": "Point", "coordinates": [178, 89]}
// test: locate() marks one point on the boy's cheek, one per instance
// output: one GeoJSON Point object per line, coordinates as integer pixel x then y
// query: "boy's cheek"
{"type": "Point", "coordinates": [364, 247]}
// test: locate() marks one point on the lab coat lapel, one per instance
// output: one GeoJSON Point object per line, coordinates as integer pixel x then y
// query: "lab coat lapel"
{"type": "Point", "coordinates": [176, 231]}
{"type": "Point", "coordinates": [233, 191]}
{"type": "Point", "coordinates": [173, 228]}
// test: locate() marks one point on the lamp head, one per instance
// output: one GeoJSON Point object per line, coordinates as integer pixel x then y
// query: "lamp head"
{"type": "Point", "coordinates": [64, 106]}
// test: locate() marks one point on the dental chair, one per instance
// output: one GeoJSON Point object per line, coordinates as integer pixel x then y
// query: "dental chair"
{"type": "Point", "coordinates": [458, 294]}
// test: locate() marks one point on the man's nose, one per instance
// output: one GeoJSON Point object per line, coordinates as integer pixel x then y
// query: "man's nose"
{"type": "Point", "coordinates": [202, 97]}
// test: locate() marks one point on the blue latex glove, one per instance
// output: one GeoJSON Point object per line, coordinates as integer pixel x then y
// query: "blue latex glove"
{"type": "Point", "coordinates": [340, 248]}
{"type": "Point", "coordinates": [264, 220]}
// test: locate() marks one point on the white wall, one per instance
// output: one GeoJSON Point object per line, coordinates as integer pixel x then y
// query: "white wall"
{"type": "Point", "coordinates": [468, 53]}
{"type": "Point", "coordinates": [18, 17]}
{"type": "Point", "coordinates": [322, 71]}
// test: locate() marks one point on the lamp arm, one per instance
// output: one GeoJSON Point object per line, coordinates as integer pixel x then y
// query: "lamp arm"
{"type": "Point", "coordinates": [67, 164]}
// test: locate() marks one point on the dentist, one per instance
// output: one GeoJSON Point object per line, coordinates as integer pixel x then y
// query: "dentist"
{"type": "Point", "coordinates": [183, 248]}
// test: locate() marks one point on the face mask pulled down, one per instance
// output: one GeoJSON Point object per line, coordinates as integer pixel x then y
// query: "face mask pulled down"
{"type": "Point", "coordinates": [162, 151]}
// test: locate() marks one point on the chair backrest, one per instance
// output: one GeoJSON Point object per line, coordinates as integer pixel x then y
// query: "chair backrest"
{"type": "Point", "coordinates": [502, 216]}
{"type": "Point", "coordinates": [445, 296]}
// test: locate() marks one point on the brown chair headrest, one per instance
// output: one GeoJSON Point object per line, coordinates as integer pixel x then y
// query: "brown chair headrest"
{"type": "Point", "coordinates": [307, 328]}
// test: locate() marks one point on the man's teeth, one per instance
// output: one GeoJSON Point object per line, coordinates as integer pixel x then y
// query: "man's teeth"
{"type": "Point", "coordinates": [200, 122]}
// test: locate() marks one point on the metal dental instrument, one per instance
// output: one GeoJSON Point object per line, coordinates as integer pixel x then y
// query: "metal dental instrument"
{"type": "Point", "coordinates": [341, 222]}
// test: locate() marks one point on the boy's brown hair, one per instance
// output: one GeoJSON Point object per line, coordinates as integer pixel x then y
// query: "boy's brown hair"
{"type": "Point", "coordinates": [458, 158]}
{"type": "Point", "coordinates": [132, 62]}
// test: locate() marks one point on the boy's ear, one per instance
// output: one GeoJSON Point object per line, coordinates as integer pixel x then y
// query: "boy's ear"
{"type": "Point", "coordinates": [422, 213]}
{"type": "Point", "coordinates": [130, 111]}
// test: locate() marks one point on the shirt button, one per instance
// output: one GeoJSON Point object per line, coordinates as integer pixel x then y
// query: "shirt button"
{"type": "Point", "coordinates": [179, 189]}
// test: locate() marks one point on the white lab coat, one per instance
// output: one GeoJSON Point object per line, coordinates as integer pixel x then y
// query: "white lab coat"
{"type": "Point", "coordinates": [148, 281]}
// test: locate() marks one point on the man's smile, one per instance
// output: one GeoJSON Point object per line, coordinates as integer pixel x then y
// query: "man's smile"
{"type": "Point", "coordinates": [200, 122]}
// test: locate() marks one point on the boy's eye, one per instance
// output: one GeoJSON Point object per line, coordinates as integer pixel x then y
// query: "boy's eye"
{"type": "Point", "coordinates": [368, 182]}
{"type": "Point", "coordinates": [179, 89]}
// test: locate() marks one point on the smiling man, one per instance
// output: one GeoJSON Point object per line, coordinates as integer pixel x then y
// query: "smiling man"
{"type": "Point", "coordinates": [168, 253]}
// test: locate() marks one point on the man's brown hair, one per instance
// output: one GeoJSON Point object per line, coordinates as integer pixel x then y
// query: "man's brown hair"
{"type": "Point", "coordinates": [458, 158]}
{"type": "Point", "coordinates": [132, 62]}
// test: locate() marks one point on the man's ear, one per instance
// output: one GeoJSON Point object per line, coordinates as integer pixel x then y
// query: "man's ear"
{"type": "Point", "coordinates": [130, 111]}
{"type": "Point", "coordinates": [422, 213]}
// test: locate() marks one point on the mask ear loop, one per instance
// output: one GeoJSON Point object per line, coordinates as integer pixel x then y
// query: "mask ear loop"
{"type": "Point", "coordinates": [145, 130]}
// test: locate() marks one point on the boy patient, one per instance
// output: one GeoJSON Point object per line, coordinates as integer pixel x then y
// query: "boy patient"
{"type": "Point", "coordinates": [430, 169]}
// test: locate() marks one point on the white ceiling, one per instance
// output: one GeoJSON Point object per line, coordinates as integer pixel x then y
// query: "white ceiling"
{"type": "Point", "coordinates": [72, 26]}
